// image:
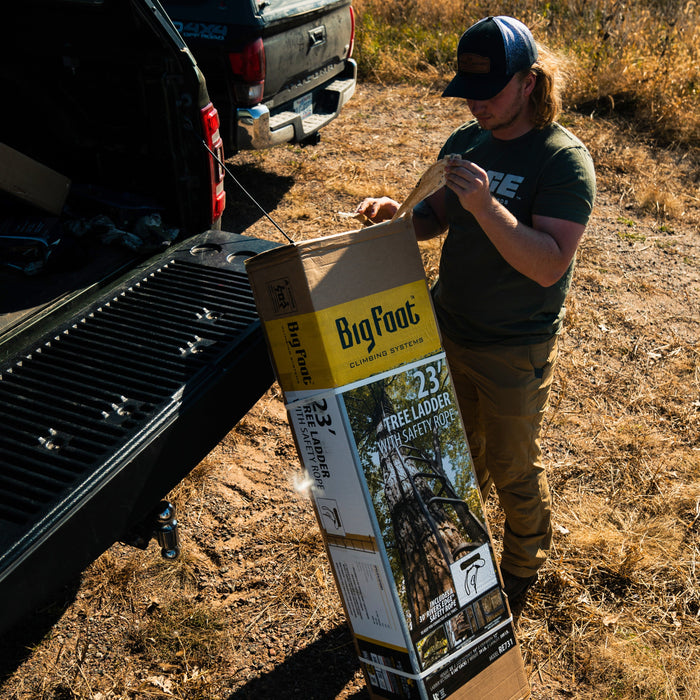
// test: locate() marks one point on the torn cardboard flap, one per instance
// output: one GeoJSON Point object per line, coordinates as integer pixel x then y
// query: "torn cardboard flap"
{"type": "Point", "coordinates": [28, 180]}
{"type": "Point", "coordinates": [431, 181]}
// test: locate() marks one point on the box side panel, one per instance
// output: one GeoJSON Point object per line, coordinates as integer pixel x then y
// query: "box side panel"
{"type": "Point", "coordinates": [357, 562]}
{"type": "Point", "coordinates": [325, 452]}
{"type": "Point", "coordinates": [345, 521]}
{"type": "Point", "coordinates": [349, 266]}
{"type": "Point", "coordinates": [416, 465]}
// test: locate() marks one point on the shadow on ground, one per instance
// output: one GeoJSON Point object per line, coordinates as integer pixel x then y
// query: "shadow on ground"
{"type": "Point", "coordinates": [245, 183]}
{"type": "Point", "coordinates": [318, 672]}
{"type": "Point", "coordinates": [18, 642]}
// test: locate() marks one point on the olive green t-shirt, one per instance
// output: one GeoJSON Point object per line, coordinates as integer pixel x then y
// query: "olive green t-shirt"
{"type": "Point", "coordinates": [479, 298]}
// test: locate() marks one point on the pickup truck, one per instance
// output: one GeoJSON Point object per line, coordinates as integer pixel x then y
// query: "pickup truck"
{"type": "Point", "coordinates": [129, 340]}
{"type": "Point", "coordinates": [278, 70]}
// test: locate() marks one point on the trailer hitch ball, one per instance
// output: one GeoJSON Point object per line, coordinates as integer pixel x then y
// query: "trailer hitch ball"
{"type": "Point", "coordinates": [160, 525]}
{"type": "Point", "coordinates": [166, 512]}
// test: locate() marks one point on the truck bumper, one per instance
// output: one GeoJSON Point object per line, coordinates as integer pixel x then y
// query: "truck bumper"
{"type": "Point", "coordinates": [257, 127]}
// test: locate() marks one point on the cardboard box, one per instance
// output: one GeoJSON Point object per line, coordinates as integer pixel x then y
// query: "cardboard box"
{"type": "Point", "coordinates": [356, 348]}
{"type": "Point", "coordinates": [32, 182]}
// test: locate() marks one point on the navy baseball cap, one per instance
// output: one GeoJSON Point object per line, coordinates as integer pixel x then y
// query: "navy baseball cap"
{"type": "Point", "coordinates": [489, 54]}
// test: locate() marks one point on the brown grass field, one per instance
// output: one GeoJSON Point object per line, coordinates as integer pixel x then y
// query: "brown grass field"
{"type": "Point", "coordinates": [250, 610]}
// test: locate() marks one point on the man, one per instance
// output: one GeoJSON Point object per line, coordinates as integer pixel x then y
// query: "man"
{"type": "Point", "coordinates": [516, 202]}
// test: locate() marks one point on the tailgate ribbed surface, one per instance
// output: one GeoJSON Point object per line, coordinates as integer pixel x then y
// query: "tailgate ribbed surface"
{"type": "Point", "coordinates": [79, 397]}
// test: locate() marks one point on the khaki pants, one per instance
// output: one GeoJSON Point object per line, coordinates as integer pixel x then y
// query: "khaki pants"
{"type": "Point", "coordinates": [502, 393]}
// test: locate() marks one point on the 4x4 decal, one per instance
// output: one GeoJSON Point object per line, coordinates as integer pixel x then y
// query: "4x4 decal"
{"type": "Point", "coordinates": [198, 30]}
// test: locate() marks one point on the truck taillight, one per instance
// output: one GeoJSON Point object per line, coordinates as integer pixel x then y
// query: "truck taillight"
{"type": "Point", "coordinates": [212, 137]}
{"type": "Point", "coordinates": [248, 66]}
{"type": "Point", "coordinates": [352, 31]}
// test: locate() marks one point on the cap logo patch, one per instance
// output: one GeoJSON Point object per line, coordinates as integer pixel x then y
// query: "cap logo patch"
{"type": "Point", "coordinates": [473, 63]}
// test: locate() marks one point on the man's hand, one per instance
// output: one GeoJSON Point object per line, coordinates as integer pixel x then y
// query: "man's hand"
{"type": "Point", "coordinates": [470, 183]}
{"type": "Point", "coordinates": [378, 209]}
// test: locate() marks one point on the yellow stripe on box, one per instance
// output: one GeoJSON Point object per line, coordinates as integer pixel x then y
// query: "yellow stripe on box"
{"type": "Point", "coordinates": [355, 339]}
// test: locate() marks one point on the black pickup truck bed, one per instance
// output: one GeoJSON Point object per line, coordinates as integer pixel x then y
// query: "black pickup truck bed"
{"type": "Point", "coordinates": [109, 411]}
{"type": "Point", "coordinates": [121, 366]}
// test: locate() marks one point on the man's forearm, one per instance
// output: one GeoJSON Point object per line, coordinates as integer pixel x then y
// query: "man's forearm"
{"type": "Point", "coordinates": [426, 223]}
{"type": "Point", "coordinates": [541, 252]}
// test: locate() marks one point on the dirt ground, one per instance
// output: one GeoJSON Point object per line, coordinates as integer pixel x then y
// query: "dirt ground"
{"type": "Point", "coordinates": [251, 610]}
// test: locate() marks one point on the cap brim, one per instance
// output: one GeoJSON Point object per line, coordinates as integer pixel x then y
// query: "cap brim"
{"type": "Point", "coordinates": [475, 87]}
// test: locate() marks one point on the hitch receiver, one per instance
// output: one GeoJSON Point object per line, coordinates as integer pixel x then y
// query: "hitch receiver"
{"type": "Point", "coordinates": [162, 526]}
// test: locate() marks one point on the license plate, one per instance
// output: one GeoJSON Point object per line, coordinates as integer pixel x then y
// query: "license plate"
{"type": "Point", "coordinates": [304, 106]}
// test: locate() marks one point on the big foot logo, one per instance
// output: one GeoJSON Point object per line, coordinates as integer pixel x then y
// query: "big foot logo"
{"type": "Point", "coordinates": [375, 325]}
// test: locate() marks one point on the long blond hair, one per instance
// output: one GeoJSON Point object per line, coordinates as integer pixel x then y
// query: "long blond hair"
{"type": "Point", "coordinates": [546, 97]}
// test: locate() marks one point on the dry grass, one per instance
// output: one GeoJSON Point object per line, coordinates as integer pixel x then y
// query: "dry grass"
{"type": "Point", "coordinates": [639, 59]}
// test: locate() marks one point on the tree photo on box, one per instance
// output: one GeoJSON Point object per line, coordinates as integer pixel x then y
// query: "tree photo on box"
{"type": "Point", "coordinates": [418, 470]}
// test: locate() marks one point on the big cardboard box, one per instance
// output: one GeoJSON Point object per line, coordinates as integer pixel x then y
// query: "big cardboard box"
{"type": "Point", "coordinates": [356, 349]}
